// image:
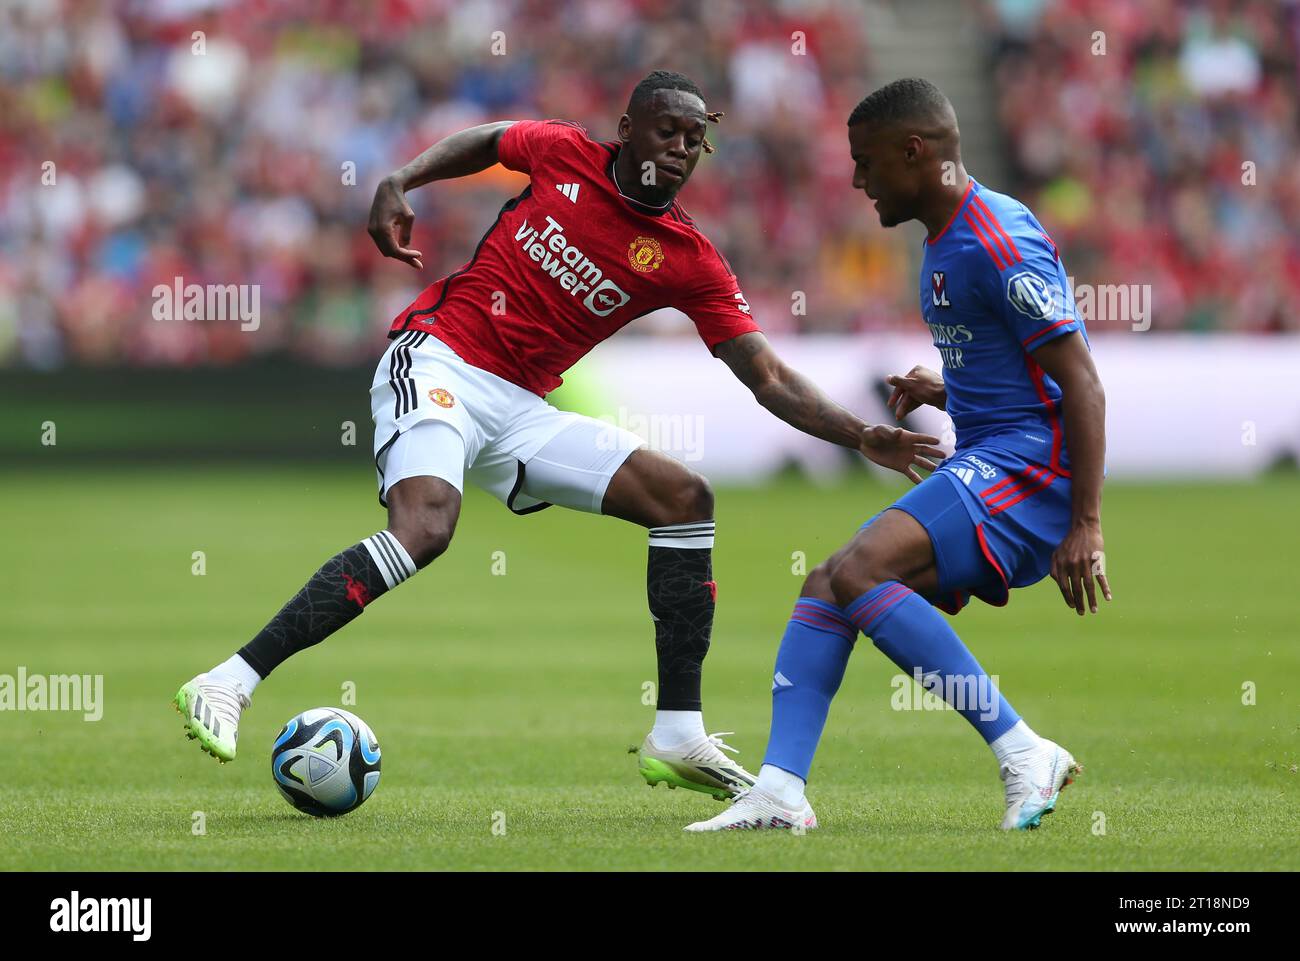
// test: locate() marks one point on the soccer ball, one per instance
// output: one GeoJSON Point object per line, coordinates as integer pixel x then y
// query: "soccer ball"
{"type": "Point", "coordinates": [325, 761]}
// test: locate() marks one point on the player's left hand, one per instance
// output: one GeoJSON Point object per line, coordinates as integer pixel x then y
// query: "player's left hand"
{"type": "Point", "coordinates": [920, 385]}
{"type": "Point", "coordinates": [391, 218]}
{"type": "Point", "coordinates": [900, 450]}
{"type": "Point", "coordinates": [1079, 559]}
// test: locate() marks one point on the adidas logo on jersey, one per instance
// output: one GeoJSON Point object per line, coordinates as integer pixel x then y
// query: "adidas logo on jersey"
{"type": "Point", "coordinates": [569, 190]}
{"type": "Point", "coordinates": [966, 474]}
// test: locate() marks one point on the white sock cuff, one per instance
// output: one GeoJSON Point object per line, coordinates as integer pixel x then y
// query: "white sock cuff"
{"type": "Point", "coordinates": [1019, 738]}
{"type": "Point", "coordinates": [236, 667]}
{"type": "Point", "coordinates": [787, 787]}
{"type": "Point", "coordinates": [677, 727]}
{"type": "Point", "coordinates": [390, 557]}
{"type": "Point", "coordinates": [697, 535]}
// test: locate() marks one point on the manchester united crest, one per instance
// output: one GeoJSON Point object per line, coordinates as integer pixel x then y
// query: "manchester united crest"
{"type": "Point", "coordinates": [645, 254]}
{"type": "Point", "coordinates": [442, 397]}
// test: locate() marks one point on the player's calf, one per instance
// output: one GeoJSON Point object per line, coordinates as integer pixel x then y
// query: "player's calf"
{"type": "Point", "coordinates": [339, 591]}
{"type": "Point", "coordinates": [331, 598]}
{"type": "Point", "coordinates": [335, 594]}
{"type": "Point", "coordinates": [676, 504]}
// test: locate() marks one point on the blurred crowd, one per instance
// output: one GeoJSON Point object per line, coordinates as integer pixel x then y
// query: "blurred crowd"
{"type": "Point", "coordinates": [239, 142]}
{"type": "Point", "coordinates": [1161, 140]}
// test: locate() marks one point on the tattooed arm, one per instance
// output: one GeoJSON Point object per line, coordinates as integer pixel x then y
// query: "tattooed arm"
{"type": "Point", "coordinates": [800, 403]}
{"type": "Point", "coordinates": [787, 393]}
{"type": "Point", "coordinates": [459, 155]}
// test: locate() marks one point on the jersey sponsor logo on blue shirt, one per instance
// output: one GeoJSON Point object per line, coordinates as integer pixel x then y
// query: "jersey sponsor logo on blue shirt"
{"type": "Point", "coordinates": [1031, 295]}
{"type": "Point", "coordinates": [950, 334]}
{"type": "Point", "coordinates": [945, 337]}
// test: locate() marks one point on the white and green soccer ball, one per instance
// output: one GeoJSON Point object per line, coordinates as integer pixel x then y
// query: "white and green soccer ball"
{"type": "Point", "coordinates": [325, 761]}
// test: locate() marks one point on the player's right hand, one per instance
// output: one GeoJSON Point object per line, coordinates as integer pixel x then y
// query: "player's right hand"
{"type": "Point", "coordinates": [918, 386]}
{"type": "Point", "coordinates": [1076, 561]}
{"type": "Point", "coordinates": [391, 218]}
{"type": "Point", "coordinates": [900, 450]}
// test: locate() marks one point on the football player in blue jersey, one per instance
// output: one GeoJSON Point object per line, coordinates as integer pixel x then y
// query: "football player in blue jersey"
{"type": "Point", "coordinates": [1020, 498]}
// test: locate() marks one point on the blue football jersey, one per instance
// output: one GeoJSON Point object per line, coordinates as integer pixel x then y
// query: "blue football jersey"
{"type": "Point", "coordinates": [993, 289]}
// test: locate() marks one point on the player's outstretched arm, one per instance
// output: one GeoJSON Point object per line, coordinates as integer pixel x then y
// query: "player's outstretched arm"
{"type": "Point", "coordinates": [800, 403]}
{"type": "Point", "coordinates": [463, 153]}
{"type": "Point", "coordinates": [1080, 557]}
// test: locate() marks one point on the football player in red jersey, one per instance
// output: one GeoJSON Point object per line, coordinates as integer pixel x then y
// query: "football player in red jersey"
{"type": "Point", "coordinates": [595, 240]}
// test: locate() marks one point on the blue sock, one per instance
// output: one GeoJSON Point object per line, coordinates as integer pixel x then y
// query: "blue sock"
{"type": "Point", "coordinates": [914, 635]}
{"type": "Point", "coordinates": [809, 668]}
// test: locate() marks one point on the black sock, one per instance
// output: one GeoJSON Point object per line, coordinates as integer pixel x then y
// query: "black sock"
{"type": "Point", "coordinates": [679, 581]}
{"type": "Point", "coordinates": [336, 593]}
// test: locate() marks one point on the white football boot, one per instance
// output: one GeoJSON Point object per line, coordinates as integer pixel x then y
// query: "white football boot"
{"type": "Point", "coordinates": [697, 765]}
{"type": "Point", "coordinates": [1034, 780]}
{"type": "Point", "coordinates": [211, 705]}
{"type": "Point", "coordinates": [756, 809]}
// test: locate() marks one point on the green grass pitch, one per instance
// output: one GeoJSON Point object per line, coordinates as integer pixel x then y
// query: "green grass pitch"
{"type": "Point", "coordinates": [510, 699]}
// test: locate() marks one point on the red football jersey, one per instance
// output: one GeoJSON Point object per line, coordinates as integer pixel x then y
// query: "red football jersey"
{"type": "Point", "coordinates": [568, 262]}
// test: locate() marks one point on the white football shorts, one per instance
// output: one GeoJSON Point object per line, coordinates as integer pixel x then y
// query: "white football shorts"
{"type": "Point", "coordinates": [437, 416]}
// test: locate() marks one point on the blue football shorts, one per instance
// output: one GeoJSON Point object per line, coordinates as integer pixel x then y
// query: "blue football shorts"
{"type": "Point", "coordinates": [994, 520]}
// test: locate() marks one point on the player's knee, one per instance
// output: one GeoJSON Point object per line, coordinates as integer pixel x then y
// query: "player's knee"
{"type": "Point", "coordinates": [437, 538]}
{"type": "Point", "coordinates": [701, 498]}
{"type": "Point", "coordinates": [422, 514]}
{"type": "Point", "coordinates": [857, 572]}
{"type": "Point", "coordinates": [426, 534]}
{"type": "Point", "coordinates": [428, 541]}
{"type": "Point", "coordinates": [818, 583]}
{"type": "Point", "coordinates": [690, 500]}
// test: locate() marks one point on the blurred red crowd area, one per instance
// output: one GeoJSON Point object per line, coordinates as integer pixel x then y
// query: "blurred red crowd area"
{"type": "Point", "coordinates": [238, 143]}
